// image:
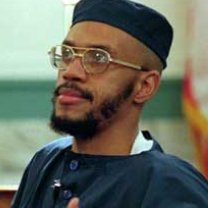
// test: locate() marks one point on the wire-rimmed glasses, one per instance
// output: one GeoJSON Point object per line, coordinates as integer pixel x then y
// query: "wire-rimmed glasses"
{"type": "Point", "coordinates": [94, 60]}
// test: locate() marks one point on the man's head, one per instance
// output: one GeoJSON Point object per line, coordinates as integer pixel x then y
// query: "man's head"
{"type": "Point", "coordinates": [86, 103]}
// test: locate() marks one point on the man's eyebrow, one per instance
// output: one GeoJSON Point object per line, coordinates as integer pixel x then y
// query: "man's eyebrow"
{"type": "Point", "coordinates": [103, 47]}
{"type": "Point", "coordinates": [68, 42]}
{"type": "Point", "coordinates": [100, 46]}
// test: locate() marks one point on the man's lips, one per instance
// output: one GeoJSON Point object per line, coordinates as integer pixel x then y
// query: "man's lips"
{"type": "Point", "coordinates": [70, 96]}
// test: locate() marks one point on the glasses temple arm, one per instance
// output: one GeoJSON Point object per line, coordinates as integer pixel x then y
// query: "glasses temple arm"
{"type": "Point", "coordinates": [134, 66]}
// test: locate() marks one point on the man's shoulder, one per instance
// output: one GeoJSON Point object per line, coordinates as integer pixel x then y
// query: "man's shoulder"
{"type": "Point", "coordinates": [161, 162]}
{"type": "Point", "coordinates": [166, 170]}
{"type": "Point", "coordinates": [55, 147]}
{"type": "Point", "coordinates": [177, 180]}
{"type": "Point", "coordinates": [60, 143]}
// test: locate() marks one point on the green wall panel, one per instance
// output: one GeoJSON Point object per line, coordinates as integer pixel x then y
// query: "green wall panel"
{"type": "Point", "coordinates": [25, 99]}
{"type": "Point", "coordinates": [167, 102]}
{"type": "Point", "coordinates": [32, 99]}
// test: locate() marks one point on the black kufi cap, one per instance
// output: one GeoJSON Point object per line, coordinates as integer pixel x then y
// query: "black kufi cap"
{"type": "Point", "coordinates": [145, 24]}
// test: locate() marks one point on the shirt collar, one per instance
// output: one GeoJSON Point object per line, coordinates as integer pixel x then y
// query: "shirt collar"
{"type": "Point", "coordinates": [141, 144]}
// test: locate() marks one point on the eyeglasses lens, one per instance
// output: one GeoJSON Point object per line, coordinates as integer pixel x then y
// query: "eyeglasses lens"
{"type": "Point", "coordinates": [61, 56]}
{"type": "Point", "coordinates": [95, 61]}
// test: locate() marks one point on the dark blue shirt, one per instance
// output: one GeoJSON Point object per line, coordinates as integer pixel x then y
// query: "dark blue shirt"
{"type": "Point", "coordinates": [151, 179]}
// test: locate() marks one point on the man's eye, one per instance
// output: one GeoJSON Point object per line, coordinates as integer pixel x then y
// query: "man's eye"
{"type": "Point", "coordinates": [66, 53]}
{"type": "Point", "coordinates": [100, 58]}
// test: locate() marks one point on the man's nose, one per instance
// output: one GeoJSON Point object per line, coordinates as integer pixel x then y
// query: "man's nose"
{"type": "Point", "coordinates": [75, 70]}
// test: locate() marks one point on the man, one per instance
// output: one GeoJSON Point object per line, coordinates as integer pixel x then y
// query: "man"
{"type": "Point", "coordinates": [110, 65]}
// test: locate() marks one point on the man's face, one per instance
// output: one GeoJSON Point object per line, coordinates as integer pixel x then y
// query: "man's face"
{"type": "Point", "coordinates": [84, 104]}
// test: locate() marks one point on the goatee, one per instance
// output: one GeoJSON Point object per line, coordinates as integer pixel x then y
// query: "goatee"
{"type": "Point", "coordinates": [88, 126]}
{"type": "Point", "coordinates": [80, 129]}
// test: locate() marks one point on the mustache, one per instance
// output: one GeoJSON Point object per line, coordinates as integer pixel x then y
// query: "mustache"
{"type": "Point", "coordinates": [86, 94]}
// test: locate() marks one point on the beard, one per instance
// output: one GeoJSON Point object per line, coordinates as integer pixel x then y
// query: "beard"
{"type": "Point", "coordinates": [89, 125]}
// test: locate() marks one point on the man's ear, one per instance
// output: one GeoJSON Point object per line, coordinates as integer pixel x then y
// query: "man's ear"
{"type": "Point", "coordinates": [147, 85]}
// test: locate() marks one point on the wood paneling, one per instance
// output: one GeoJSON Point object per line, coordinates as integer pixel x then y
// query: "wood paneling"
{"type": "Point", "coordinates": [6, 195]}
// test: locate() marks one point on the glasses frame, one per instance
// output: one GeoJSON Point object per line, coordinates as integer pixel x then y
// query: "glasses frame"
{"type": "Point", "coordinates": [81, 55]}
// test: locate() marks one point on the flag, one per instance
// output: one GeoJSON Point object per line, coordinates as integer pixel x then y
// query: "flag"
{"type": "Point", "coordinates": [195, 89]}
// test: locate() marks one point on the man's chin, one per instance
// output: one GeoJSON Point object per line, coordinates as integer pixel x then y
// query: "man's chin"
{"type": "Point", "coordinates": [80, 128]}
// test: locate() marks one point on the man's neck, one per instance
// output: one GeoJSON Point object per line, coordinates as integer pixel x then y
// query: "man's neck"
{"type": "Point", "coordinates": [116, 139]}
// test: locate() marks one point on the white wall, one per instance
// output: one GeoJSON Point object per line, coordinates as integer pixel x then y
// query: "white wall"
{"type": "Point", "coordinates": [28, 29]}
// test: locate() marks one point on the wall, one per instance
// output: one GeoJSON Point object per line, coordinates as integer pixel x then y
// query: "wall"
{"type": "Point", "coordinates": [28, 29]}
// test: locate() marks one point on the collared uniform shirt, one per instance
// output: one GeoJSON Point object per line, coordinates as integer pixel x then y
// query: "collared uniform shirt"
{"type": "Point", "coordinates": [148, 178]}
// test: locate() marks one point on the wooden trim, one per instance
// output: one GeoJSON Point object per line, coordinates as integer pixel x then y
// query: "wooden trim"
{"type": "Point", "coordinates": [6, 195]}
